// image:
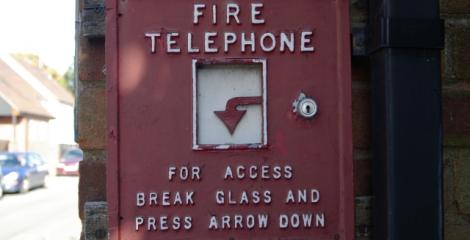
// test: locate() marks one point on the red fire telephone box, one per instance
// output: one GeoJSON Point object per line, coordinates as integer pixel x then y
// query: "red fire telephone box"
{"type": "Point", "coordinates": [229, 120]}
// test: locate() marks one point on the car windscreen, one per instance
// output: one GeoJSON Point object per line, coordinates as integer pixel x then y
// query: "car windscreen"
{"type": "Point", "coordinates": [7, 160]}
{"type": "Point", "coordinates": [74, 154]}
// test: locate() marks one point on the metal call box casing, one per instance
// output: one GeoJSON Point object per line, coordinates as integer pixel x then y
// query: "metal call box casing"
{"type": "Point", "coordinates": [205, 137]}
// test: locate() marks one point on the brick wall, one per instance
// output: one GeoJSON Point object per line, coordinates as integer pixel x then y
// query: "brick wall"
{"type": "Point", "coordinates": [456, 118]}
{"type": "Point", "coordinates": [91, 112]}
{"type": "Point", "coordinates": [361, 110]}
{"type": "Point", "coordinates": [90, 109]}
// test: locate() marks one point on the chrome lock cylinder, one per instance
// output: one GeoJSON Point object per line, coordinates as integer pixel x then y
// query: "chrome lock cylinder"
{"type": "Point", "coordinates": [305, 106]}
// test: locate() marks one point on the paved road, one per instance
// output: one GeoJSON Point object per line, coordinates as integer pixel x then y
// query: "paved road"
{"type": "Point", "coordinates": [42, 214]}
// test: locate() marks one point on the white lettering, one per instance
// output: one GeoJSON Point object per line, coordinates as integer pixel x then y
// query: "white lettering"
{"type": "Point", "coordinates": [214, 14]}
{"type": "Point", "coordinates": [151, 224]}
{"type": "Point", "coordinates": [272, 40]}
{"type": "Point", "coordinates": [263, 221]}
{"type": "Point", "coordinates": [307, 220]}
{"type": "Point", "coordinates": [225, 222]}
{"type": "Point", "coordinates": [315, 196]}
{"type": "Point", "coordinates": [219, 197]}
{"type": "Point", "coordinates": [228, 173]}
{"type": "Point", "coordinates": [177, 200]}
{"type": "Point", "coordinates": [230, 200]}
{"type": "Point", "coordinates": [244, 198]}
{"type": "Point", "coordinates": [233, 10]}
{"type": "Point", "coordinates": [295, 220]}
{"type": "Point", "coordinates": [265, 172]}
{"type": "Point", "coordinates": [189, 198]}
{"type": "Point", "coordinates": [277, 172]}
{"type": "Point", "coordinates": [166, 199]}
{"type": "Point", "coordinates": [250, 221]}
{"type": "Point", "coordinates": [139, 221]}
{"type": "Point", "coordinates": [303, 220]}
{"type": "Point", "coordinates": [140, 199]}
{"type": "Point", "coordinates": [287, 42]}
{"type": "Point", "coordinates": [288, 172]}
{"type": "Point", "coordinates": [176, 223]}
{"type": "Point", "coordinates": [170, 42]}
{"type": "Point", "coordinates": [255, 13]}
{"type": "Point", "coordinates": [153, 198]}
{"type": "Point", "coordinates": [241, 172]}
{"type": "Point", "coordinates": [253, 172]}
{"type": "Point", "coordinates": [320, 220]}
{"type": "Point", "coordinates": [268, 42]}
{"type": "Point", "coordinates": [283, 221]}
{"type": "Point", "coordinates": [153, 37]}
{"type": "Point", "coordinates": [229, 38]}
{"type": "Point", "coordinates": [267, 197]}
{"type": "Point", "coordinates": [213, 225]}
{"type": "Point", "coordinates": [188, 223]}
{"type": "Point", "coordinates": [198, 12]}
{"type": "Point", "coordinates": [171, 173]}
{"type": "Point", "coordinates": [196, 173]}
{"type": "Point", "coordinates": [209, 41]}
{"type": "Point", "coordinates": [185, 173]}
{"type": "Point", "coordinates": [245, 42]}
{"type": "Point", "coordinates": [302, 196]}
{"type": "Point", "coordinates": [238, 221]}
{"type": "Point", "coordinates": [305, 40]}
{"type": "Point", "coordinates": [163, 223]}
{"type": "Point", "coordinates": [255, 197]}
{"type": "Point", "coordinates": [290, 197]}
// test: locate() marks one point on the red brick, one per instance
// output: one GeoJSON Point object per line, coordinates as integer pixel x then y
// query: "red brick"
{"type": "Point", "coordinates": [361, 118]}
{"type": "Point", "coordinates": [91, 116]}
{"type": "Point", "coordinates": [461, 176]}
{"type": "Point", "coordinates": [91, 63]}
{"type": "Point", "coordinates": [456, 116]}
{"type": "Point", "coordinates": [461, 52]}
{"type": "Point", "coordinates": [456, 193]}
{"type": "Point", "coordinates": [362, 173]}
{"type": "Point", "coordinates": [456, 58]}
{"type": "Point", "coordinates": [455, 6]}
{"type": "Point", "coordinates": [92, 185]}
{"type": "Point", "coordinates": [360, 68]}
{"type": "Point", "coordinates": [363, 218]}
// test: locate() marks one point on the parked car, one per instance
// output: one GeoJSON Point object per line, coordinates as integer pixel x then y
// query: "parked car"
{"type": "Point", "coordinates": [22, 171]}
{"type": "Point", "coordinates": [68, 164]}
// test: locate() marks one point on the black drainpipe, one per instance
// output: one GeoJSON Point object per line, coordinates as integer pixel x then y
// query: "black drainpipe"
{"type": "Point", "coordinates": [406, 37]}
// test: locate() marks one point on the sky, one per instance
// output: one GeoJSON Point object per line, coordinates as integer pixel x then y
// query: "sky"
{"type": "Point", "coordinates": [42, 27]}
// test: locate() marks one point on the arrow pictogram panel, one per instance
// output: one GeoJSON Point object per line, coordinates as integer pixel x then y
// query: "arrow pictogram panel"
{"type": "Point", "coordinates": [229, 105]}
{"type": "Point", "coordinates": [232, 116]}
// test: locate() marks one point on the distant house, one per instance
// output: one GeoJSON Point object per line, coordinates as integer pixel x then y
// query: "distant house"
{"type": "Point", "coordinates": [36, 113]}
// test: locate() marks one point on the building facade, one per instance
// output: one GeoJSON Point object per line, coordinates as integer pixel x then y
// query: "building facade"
{"type": "Point", "coordinates": [36, 113]}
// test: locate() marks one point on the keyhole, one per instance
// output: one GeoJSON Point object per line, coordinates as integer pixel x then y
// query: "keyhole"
{"type": "Point", "coordinates": [308, 108]}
